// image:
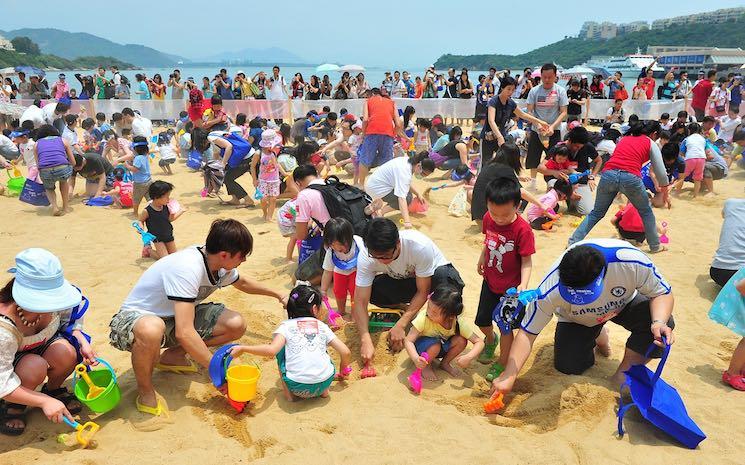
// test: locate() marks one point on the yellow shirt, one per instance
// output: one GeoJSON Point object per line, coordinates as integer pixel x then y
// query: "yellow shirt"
{"type": "Point", "coordinates": [429, 328]}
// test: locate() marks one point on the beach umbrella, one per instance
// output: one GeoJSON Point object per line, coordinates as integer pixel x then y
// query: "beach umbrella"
{"type": "Point", "coordinates": [352, 68]}
{"type": "Point", "coordinates": [30, 71]}
{"type": "Point", "coordinates": [326, 67]}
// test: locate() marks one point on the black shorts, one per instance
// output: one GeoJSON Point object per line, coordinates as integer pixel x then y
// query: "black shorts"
{"type": "Point", "coordinates": [392, 201]}
{"type": "Point", "coordinates": [538, 223]}
{"type": "Point", "coordinates": [574, 344]}
{"type": "Point", "coordinates": [389, 292]}
{"type": "Point", "coordinates": [720, 275]}
{"type": "Point", "coordinates": [631, 235]}
{"type": "Point", "coordinates": [488, 301]}
{"type": "Point", "coordinates": [536, 148]}
{"type": "Point", "coordinates": [162, 162]}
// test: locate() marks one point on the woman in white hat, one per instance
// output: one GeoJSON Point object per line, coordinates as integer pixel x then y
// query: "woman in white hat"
{"type": "Point", "coordinates": [40, 327]}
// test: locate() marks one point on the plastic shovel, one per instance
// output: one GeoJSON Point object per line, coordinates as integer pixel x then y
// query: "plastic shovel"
{"type": "Point", "coordinates": [93, 390]}
{"type": "Point", "coordinates": [415, 378]}
{"type": "Point", "coordinates": [85, 432]}
{"type": "Point", "coordinates": [333, 315]}
{"type": "Point", "coordinates": [147, 238]}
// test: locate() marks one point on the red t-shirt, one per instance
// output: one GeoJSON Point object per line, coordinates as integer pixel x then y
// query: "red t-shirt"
{"type": "Point", "coordinates": [125, 192]}
{"type": "Point", "coordinates": [380, 116]}
{"type": "Point", "coordinates": [629, 219]}
{"type": "Point", "coordinates": [554, 165]}
{"type": "Point", "coordinates": [701, 93]}
{"type": "Point", "coordinates": [631, 153]}
{"type": "Point", "coordinates": [506, 245]}
{"type": "Point", "coordinates": [649, 85]}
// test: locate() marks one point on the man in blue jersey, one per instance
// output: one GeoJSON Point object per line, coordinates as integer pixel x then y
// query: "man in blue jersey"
{"type": "Point", "coordinates": [593, 282]}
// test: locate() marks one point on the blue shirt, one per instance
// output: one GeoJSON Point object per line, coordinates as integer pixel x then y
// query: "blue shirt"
{"type": "Point", "coordinates": [256, 134]}
{"type": "Point", "coordinates": [104, 127]}
{"type": "Point", "coordinates": [735, 95]}
{"type": "Point", "coordinates": [142, 87]}
{"type": "Point", "coordinates": [441, 142]}
{"type": "Point", "coordinates": [143, 165]}
{"type": "Point", "coordinates": [226, 93]}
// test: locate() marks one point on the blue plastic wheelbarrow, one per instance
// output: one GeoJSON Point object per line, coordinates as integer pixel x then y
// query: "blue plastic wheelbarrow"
{"type": "Point", "coordinates": [658, 402]}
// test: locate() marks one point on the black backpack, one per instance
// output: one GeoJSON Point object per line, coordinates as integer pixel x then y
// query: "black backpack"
{"type": "Point", "coordinates": [345, 201]}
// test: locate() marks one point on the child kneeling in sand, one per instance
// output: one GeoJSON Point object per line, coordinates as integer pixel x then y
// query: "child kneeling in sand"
{"type": "Point", "coordinates": [300, 344]}
{"type": "Point", "coordinates": [443, 332]}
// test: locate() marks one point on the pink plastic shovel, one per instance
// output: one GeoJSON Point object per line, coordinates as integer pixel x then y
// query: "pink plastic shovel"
{"type": "Point", "coordinates": [663, 238]}
{"type": "Point", "coordinates": [415, 378]}
{"type": "Point", "coordinates": [333, 316]}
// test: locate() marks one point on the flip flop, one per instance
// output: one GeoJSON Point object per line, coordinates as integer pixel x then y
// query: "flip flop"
{"type": "Point", "coordinates": [157, 411]}
{"type": "Point", "coordinates": [178, 369]}
{"type": "Point", "coordinates": [737, 382]}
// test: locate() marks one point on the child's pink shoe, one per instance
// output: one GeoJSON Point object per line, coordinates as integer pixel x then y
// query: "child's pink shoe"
{"type": "Point", "coordinates": [737, 382]}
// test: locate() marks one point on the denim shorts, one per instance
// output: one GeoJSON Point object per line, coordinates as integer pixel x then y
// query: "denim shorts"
{"type": "Point", "coordinates": [423, 343]}
{"type": "Point", "coordinates": [50, 176]}
{"type": "Point", "coordinates": [375, 150]}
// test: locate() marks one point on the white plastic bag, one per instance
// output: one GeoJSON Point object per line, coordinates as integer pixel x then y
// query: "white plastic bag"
{"type": "Point", "coordinates": [459, 205]}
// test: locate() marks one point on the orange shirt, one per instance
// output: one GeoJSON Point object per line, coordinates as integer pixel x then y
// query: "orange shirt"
{"type": "Point", "coordinates": [419, 90]}
{"type": "Point", "coordinates": [381, 114]}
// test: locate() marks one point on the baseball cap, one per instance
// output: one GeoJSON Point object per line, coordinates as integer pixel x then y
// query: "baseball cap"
{"type": "Point", "coordinates": [583, 295]}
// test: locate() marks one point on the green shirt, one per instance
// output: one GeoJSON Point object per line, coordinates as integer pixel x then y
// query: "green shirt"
{"type": "Point", "coordinates": [100, 81]}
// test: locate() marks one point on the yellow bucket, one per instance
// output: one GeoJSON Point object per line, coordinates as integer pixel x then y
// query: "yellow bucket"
{"type": "Point", "coordinates": [242, 381]}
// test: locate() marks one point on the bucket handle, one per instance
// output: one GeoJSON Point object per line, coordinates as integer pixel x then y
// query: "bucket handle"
{"type": "Point", "coordinates": [228, 359]}
{"type": "Point", "coordinates": [661, 365]}
{"type": "Point", "coordinates": [622, 409]}
{"type": "Point", "coordinates": [100, 360]}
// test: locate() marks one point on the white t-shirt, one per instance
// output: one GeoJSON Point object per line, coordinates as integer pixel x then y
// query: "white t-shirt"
{"type": "Point", "coordinates": [727, 127]}
{"type": "Point", "coordinates": [419, 257]}
{"type": "Point", "coordinates": [633, 273]}
{"type": "Point", "coordinates": [179, 277]}
{"type": "Point", "coordinates": [142, 126]}
{"type": "Point", "coordinates": [27, 150]}
{"type": "Point", "coordinates": [306, 359]}
{"type": "Point", "coordinates": [167, 152]}
{"type": "Point", "coordinates": [695, 146]}
{"type": "Point", "coordinates": [70, 135]}
{"type": "Point", "coordinates": [33, 114]}
{"type": "Point", "coordinates": [392, 176]}
{"type": "Point", "coordinates": [48, 111]}
{"type": "Point", "coordinates": [277, 91]}
{"type": "Point", "coordinates": [328, 261]}
{"type": "Point", "coordinates": [606, 146]}
{"type": "Point", "coordinates": [117, 79]}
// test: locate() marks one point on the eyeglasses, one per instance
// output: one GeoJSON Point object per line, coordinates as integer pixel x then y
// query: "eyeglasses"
{"type": "Point", "coordinates": [388, 256]}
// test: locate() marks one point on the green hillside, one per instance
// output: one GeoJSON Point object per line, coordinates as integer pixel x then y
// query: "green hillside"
{"type": "Point", "coordinates": [573, 51]}
{"type": "Point", "coordinates": [71, 45]}
{"type": "Point", "coordinates": [10, 58]}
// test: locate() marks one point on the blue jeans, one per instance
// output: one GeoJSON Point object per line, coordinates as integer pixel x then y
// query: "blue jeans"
{"type": "Point", "coordinates": [611, 183]}
{"type": "Point", "coordinates": [375, 150]}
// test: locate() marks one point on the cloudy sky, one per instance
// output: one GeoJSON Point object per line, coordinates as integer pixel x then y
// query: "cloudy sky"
{"type": "Point", "coordinates": [411, 32]}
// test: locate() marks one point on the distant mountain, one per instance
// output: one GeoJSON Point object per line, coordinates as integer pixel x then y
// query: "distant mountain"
{"type": "Point", "coordinates": [10, 58]}
{"type": "Point", "coordinates": [573, 51]}
{"type": "Point", "coordinates": [254, 55]}
{"type": "Point", "coordinates": [75, 44]}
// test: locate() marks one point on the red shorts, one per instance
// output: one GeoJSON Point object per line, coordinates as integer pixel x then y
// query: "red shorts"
{"type": "Point", "coordinates": [344, 285]}
{"type": "Point", "coordinates": [695, 166]}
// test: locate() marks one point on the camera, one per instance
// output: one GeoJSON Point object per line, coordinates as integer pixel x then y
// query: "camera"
{"type": "Point", "coordinates": [171, 75]}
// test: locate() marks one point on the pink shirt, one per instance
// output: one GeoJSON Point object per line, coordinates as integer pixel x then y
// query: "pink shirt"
{"type": "Point", "coordinates": [549, 201]}
{"type": "Point", "coordinates": [62, 89]}
{"type": "Point", "coordinates": [310, 205]}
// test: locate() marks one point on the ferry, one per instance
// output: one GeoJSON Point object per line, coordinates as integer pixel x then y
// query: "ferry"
{"type": "Point", "coordinates": [629, 65]}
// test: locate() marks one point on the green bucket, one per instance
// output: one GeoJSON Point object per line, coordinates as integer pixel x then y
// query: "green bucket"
{"type": "Point", "coordinates": [105, 401]}
{"type": "Point", "coordinates": [15, 185]}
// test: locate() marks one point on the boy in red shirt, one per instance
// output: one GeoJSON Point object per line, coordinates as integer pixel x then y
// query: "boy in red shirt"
{"type": "Point", "coordinates": [629, 224]}
{"type": "Point", "coordinates": [505, 261]}
{"type": "Point", "coordinates": [701, 92]}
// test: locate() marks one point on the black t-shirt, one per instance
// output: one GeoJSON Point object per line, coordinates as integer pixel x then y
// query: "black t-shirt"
{"type": "Point", "coordinates": [573, 108]}
{"type": "Point", "coordinates": [503, 114]}
{"type": "Point", "coordinates": [95, 166]}
{"type": "Point", "coordinates": [489, 173]}
{"type": "Point", "coordinates": [450, 151]}
{"type": "Point", "coordinates": [453, 89]}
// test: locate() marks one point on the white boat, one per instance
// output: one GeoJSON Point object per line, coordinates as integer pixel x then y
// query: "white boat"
{"type": "Point", "coordinates": [628, 65]}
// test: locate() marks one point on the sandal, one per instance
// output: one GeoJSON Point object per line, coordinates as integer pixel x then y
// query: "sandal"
{"type": "Point", "coordinates": [737, 382]}
{"type": "Point", "coordinates": [66, 397]}
{"type": "Point", "coordinates": [6, 416]}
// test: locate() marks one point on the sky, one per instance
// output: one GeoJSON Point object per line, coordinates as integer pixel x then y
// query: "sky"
{"type": "Point", "coordinates": [410, 32]}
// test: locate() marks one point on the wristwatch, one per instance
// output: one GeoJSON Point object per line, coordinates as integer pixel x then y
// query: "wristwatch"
{"type": "Point", "coordinates": [591, 177]}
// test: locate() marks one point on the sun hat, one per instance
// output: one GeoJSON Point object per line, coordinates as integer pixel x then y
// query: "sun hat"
{"type": "Point", "coordinates": [615, 127]}
{"type": "Point", "coordinates": [40, 285]}
{"type": "Point", "coordinates": [583, 295]}
{"type": "Point", "coordinates": [270, 138]}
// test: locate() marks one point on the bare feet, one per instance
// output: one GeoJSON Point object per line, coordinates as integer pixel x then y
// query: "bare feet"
{"type": "Point", "coordinates": [618, 378]}
{"type": "Point", "coordinates": [603, 350]}
{"type": "Point", "coordinates": [174, 358]}
{"type": "Point", "coordinates": [429, 374]}
{"type": "Point", "coordinates": [325, 393]}
{"type": "Point", "coordinates": [57, 212]}
{"type": "Point", "coordinates": [450, 369]}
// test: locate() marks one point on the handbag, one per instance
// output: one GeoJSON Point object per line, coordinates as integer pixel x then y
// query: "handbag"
{"type": "Point", "coordinates": [33, 194]}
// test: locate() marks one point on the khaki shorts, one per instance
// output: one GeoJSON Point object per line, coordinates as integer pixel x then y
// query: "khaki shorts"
{"type": "Point", "coordinates": [139, 191]}
{"type": "Point", "coordinates": [123, 323]}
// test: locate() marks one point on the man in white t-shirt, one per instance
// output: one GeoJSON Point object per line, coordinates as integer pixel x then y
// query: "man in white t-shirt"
{"type": "Point", "coordinates": [728, 124]}
{"type": "Point", "coordinates": [398, 270]}
{"type": "Point", "coordinates": [140, 125]}
{"type": "Point", "coordinates": [593, 282]}
{"type": "Point", "coordinates": [399, 87]}
{"type": "Point", "coordinates": [165, 309]}
{"type": "Point", "coordinates": [277, 86]}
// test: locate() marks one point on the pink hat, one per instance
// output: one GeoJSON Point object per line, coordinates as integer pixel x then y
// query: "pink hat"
{"type": "Point", "coordinates": [270, 138]}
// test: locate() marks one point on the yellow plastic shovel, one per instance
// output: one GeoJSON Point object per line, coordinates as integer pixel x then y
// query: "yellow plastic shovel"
{"type": "Point", "coordinates": [93, 390]}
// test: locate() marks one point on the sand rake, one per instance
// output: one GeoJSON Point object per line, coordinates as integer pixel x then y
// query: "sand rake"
{"type": "Point", "coordinates": [85, 432]}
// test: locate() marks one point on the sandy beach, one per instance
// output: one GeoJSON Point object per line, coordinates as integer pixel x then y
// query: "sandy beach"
{"type": "Point", "coordinates": [549, 418]}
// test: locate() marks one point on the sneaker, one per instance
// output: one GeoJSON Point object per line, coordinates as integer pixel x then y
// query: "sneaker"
{"type": "Point", "coordinates": [487, 355]}
{"type": "Point", "coordinates": [494, 372]}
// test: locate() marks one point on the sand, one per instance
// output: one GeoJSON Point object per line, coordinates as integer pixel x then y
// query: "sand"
{"type": "Point", "coordinates": [549, 418]}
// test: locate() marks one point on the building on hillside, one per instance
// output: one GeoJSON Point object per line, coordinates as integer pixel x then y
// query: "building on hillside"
{"type": "Point", "coordinates": [608, 30]}
{"type": "Point", "coordinates": [693, 59]}
{"type": "Point", "coordinates": [5, 44]}
{"type": "Point", "coordinates": [718, 16]}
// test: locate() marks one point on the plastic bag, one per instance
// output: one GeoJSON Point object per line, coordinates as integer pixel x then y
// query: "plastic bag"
{"type": "Point", "coordinates": [459, 205]}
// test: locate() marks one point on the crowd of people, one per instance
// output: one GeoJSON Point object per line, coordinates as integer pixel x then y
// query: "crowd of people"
{"type": "Point", "coordinates": [348, 242]}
